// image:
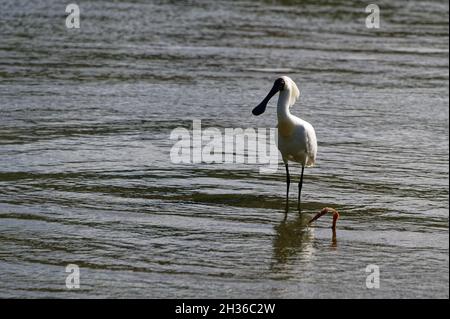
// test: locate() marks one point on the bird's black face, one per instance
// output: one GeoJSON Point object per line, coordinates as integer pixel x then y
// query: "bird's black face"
{"type": "Point", "coordinates": [278, 85]}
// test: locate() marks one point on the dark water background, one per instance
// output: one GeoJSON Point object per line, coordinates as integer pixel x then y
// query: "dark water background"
{"type": "Point", "coordinates": [86, 177]}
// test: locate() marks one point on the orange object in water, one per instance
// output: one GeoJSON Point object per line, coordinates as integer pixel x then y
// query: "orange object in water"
{"type": "Point", "coordinates": [323, 212]}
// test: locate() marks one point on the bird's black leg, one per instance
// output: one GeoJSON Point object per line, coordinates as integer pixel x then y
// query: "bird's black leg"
{"type": "Point", "coordinates": [300, 184]}
{"type": "Point", "coordinates": [288, 181]}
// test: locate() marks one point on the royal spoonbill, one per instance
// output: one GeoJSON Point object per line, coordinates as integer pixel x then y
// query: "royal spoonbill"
{"type": "Point", "coordinates": [296, 138]}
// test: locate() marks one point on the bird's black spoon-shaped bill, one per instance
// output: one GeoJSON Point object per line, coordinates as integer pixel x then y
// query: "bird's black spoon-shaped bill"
{"type": "Point", "coordinates": [261, 108]}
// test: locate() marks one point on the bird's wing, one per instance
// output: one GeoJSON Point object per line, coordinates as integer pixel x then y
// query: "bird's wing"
{"type": "Point", "coordinates": [311, 145]}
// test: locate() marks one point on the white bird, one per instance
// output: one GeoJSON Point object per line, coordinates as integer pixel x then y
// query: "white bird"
{"type": "Point", "coordinates": [296, 138]}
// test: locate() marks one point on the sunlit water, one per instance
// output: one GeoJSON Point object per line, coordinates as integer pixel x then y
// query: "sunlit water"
{"type": "Point", "coordinates": [86, 177]}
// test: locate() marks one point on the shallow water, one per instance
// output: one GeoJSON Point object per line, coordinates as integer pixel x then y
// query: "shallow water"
{"type": "Point", "coordinates": [86, 176]}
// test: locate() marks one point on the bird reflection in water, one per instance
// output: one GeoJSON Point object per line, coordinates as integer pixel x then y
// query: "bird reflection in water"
{"type": "Point", "coordinates": [292, 237]}
{"type": "Point", "coordinates": [333, 239]}
{"type": "Point", "coordinates": [296, 236]}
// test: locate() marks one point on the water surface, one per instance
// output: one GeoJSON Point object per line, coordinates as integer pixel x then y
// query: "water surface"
{"type": "Point", "coordinates": [86, 176]}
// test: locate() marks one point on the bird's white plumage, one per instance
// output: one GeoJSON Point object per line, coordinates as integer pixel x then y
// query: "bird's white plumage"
{"type": "Point", "coordinates": [296, 138]}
